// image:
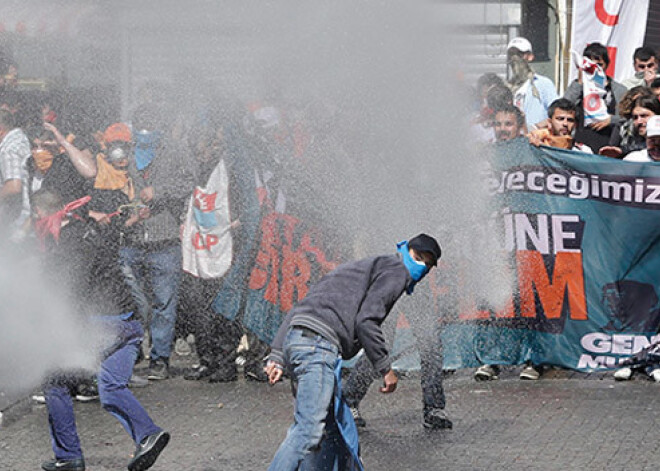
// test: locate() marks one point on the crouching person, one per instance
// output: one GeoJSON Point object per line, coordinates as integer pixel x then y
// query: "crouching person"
{"type": "Point", "coordinates": [86, 272]}
{"type": "Point", "coordinates": [341, 314]}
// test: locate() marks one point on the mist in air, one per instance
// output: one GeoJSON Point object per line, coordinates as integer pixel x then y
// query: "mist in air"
{"type": "Point", "coordinates": [376, 83]}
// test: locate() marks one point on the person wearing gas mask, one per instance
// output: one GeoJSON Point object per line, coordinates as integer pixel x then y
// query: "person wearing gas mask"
{"type": "Point", "coordinates": [532, 93]}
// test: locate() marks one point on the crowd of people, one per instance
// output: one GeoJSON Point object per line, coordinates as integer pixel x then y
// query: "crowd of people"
{"type": "Point", "coordinates": [107, 210]}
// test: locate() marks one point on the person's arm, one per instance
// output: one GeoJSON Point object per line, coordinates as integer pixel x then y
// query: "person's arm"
{"type": "Point", "coordinates": [83, 160]}
{"type": "Point", "coordinates": [10, 188]}
{"type": "Point", "coordinates": [383, 292]}
{"type": "Point", "coordinates": [275, 363]}
{"type": "Point", "coordinates": [574, 92]}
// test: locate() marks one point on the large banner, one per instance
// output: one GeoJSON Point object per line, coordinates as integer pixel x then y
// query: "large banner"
{"type": "Point", "coordinates": [618, 24]}
{"type": "Point", "coordinates": [581, 234]}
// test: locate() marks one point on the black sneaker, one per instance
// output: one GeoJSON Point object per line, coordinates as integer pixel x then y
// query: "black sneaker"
{"type": "Point", "coordinates": [87, 392]}
{"type": "Point", "coordinates": [255, 372]}
{"type": "Point", "coordinates": [158, 370]}
{"type": "Point", "coordinates": [148, 450]}
{"type": "Point", "coordinates": [201, 372]}
{"type": "Point", "coordinates": [357, 417]}
{"type": "Point", "coordinates": [77, 464]}
{"type": "Point", "coordinates": [435, 418]}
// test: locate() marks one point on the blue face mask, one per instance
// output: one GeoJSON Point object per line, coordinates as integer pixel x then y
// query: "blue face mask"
{"type": "Point", "coordinates": [417, 270]}
{"type": "Point", "coordinates": [145, 147]}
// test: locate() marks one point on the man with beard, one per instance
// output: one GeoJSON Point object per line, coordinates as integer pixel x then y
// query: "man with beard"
{"type": "Point", "coordinates": [533, 93]}
{"type": "Point", "coordinates": [560, 133]}
{"type": "Point", "coordinates": [509, 123]}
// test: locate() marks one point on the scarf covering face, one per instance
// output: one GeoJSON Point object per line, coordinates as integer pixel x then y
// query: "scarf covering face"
{"type": "Point", "coordinates": [110, 178]}
{"type": "Point", "coordinates": [43, 159]}
{"type": "Point", "coordinates": [53, 224]}
{"type": "Point", "coordinates": [417, 270]}
{"type": "Point", "coordinates": [145, 147]}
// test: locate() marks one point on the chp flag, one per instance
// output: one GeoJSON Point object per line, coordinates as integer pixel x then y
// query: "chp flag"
{"type": "Point", "coordinates": [207, 240]}
{"type": "Point", "coordinates": [620, 25]}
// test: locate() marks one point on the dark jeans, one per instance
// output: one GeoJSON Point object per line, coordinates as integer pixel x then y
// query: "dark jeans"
{"type": "Point", "coordinates": [429, 345]}
{"type": "Point", "coordinates": [115, 396]}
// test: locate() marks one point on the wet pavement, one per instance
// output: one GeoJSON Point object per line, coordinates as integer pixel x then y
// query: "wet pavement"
{"type": "Point", "coordinates": [563, 421]}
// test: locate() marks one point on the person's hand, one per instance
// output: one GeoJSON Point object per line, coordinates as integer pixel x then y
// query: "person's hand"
{"type": "Point", "coordinates": [101, 218]}
{"type": "Point", "coordinates": [274, 371]}
{"type": "Point", "coordinates": [649, 76]}
{"type": "Point", "coordinates": [600, 125]}
{"type": "Point", "coordinates": [534, 139]}
{"type": "Point", "coordinates": [147, 194]}
{"type": "Point", "coordinates": [579, 76]}
{"type": "Point", "coordinates": [235, 224]}
{"type": "Point", "coordinates": [58, 136]}
{"type": "Point", "coordinates": [611, 151]}
{"type": "Point", "coordinates": [389, 382]}
{"type": "Point", "coordinates": [144, 213]}
{"type": "Point", "coordinates": [545, 124]}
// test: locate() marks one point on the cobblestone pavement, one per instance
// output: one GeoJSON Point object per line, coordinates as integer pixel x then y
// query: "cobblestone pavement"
{"type": "Point", "coordinates": [564, 421]}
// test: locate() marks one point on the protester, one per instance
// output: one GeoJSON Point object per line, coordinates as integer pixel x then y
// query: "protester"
{"type": "Point", "coordinates": [222, 171]}
{"type": "Point", "coordinates": [14, 152]}
{"type": "Point", "coordinates": [509, 122]}
{"type": "Point", "coordinates": [623, 134]}
{"type": "Point", "coordinates": [560, 133]}
{"type": "Point", "coordinates": [482, 129]}
{"type": "Point", "coordinates": [645, 63]}
{"type": "Point", "coordinates": [83, 270]}
{"type": "Point", "coordinates": [633, 139]}
{"type": "Point", "coordinates": [160, 170]}
{"type": "Point", "coordinates": [533, 93]}
{"type": "Point", "coordinates": [652, 151]}
{"type": "Point", "coordinates": [342, 313]}
{"type": "Point", "coordinates": [597, 134]}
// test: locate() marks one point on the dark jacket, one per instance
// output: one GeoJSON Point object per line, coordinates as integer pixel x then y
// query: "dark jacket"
{"type": "Point", "coordinates": [85, 270]}
{"type": "Point", "coordinates": [171, 174]}
{"type": "Point", "coordinates": [348, 306]}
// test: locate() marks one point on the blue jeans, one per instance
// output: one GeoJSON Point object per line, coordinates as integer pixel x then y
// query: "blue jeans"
{"type": "Point", "coordinates": [164, 268]}
{"type": "Point", "coordinates": [115, 396]}
{"type": "Point", "coordinates": [310, 361]}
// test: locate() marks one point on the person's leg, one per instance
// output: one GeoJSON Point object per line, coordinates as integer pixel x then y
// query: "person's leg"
{"type": "Point", "coordinates": [115, 396]}
{"type": "Point", "coordinates": [430, 353]}
{"type": "Point", "coordinates": [222, 347]}
{"type": "Point", "coordinates": [311, 362]}
{"type": "Point", "coordinates": [359, 380]}
{"type": "Point", "coordinates": [165, 274]}
{"type": "Point", "coordinates": [61, 421]}
{"type": "Point", "coordinates": [131, 262]}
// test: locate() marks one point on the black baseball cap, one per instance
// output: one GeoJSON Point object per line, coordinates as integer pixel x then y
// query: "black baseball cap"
{"type": "Point", "coordinates": [426, 243]}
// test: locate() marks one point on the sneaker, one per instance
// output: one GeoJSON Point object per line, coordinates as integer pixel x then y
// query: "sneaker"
{"type": "Point", "coordinates": [655, 374]}
{"type": "Point", "coordinates": [148, 450]}
{"type": "Point", "coordinates": [198, 373]}
{"type": "Point", "coordinates": [486, 373]}
{"type": "Point", "coordinates": [137, 381]}
{"type": "Point", "coordinates": [39, 397]}
{"type": "Point", "coordinates": [158, 370]}
{"type": "Point", "coordinates": [357, 417]}
{"type": "Point", "coordinates": [87, 392]}
{"type": "Point", "coordinates": [625, 373]}
{"type": "Point", "coordinates": [530, 372]}
{"type": "Point", "coordinates": [435, 419]}
{"type": "Point", "coordinates": [182, 348]}
{"type": "Point", "coordinates": [77, 464]}
{"type": "Point", "coordinates": [255, 372]}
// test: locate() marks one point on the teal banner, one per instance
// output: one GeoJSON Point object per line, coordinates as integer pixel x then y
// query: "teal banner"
{"type": "Point", "coordinates": [580, 235]}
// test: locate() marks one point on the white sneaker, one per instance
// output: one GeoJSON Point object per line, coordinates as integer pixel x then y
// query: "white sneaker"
{"type": "Point", "coordinates": [486, 373]}
{"type": "Point", "coordinates": [655, 374]}
{"type": "Point", "coordinates": [625, 373]}
{"type": "Point", "coordinates": [531, 373]}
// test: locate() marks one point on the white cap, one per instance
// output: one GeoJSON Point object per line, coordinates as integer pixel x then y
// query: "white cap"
{"type": "Point", "coordinates": [653, 126]}
{"type": "Point", "coordinates": [521, 44]}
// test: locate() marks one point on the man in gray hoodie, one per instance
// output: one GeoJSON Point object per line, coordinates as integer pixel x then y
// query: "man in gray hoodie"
{"type": "Point", "coordinates": [341, 314]}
